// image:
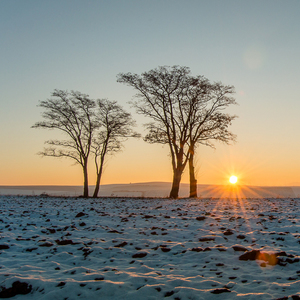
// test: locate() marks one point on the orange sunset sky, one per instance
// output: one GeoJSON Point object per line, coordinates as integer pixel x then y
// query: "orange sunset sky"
{"type": "Point", "coordinates": [83, 45]}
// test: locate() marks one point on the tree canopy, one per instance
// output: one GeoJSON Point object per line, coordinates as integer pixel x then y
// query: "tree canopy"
{"type": "Point", "coordinates": [90, 126]}
{"type": "Point", "coordinates": [185, 110]}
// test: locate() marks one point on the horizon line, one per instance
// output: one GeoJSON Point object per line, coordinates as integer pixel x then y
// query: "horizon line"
{"type": "Point", "coordinates": [146, 182]}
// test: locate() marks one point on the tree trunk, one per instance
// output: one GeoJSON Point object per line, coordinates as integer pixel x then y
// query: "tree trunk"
{"type": "Point", "coordinates": [176, 182]}
{"type": "Point", "coordinates": [85, 178]}
{"type": "Point", "coordinates": [193, 180]}
{"type": "Point", "coordinates": [97, 186]}
{"type": "Point", "coordinates": [99, 172]}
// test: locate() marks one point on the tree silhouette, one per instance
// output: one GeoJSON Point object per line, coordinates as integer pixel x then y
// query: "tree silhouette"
{"type": "Point", "coordinates": [71, 113]}
{"type": "Point", "coordinates": [162, 96]}
{"type": "Point", "coordinates": [97, 127]}
{"type": "Point", "coordinates": [208, 122]}
{"type": "Point", "coordinates": [114, 126]}
{"type": "Point", "coordinates": [185, 110]}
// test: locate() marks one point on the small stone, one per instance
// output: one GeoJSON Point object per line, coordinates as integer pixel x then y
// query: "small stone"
{"type": "Point", "coordinates": [121, 245]}
{"type": "Point", "coordinates": [250, 255]}
{"type": "Point", "coordinates": [18, 288]}
{"type": "Point", "coordinates": [220, 291]}
{"type": "Point", "coordinates": [165, 249]}
{"type": "Point", "coordinates": [207, 249]}
{"type": "Point", "coordinates": [239, 248]}
{"type": "Point", "coordinates": [168, 294]}
{"type": "Point", "coordinates": [2, 247]}
{"type": "Point", "coordinates": [148, 216]}
{"type": "Point", "coordinates": [206, 239]}
{"type": "Point", "coordinates": [197, 249]}
{"type": "Point", "coordinates": [228, 232]}
{"type": "Point", "coordinates": [46, 244]}
{"type": "Point", "coordinates": [65, 242]}
{"type": "Point", "coordinates": [139, 255]}
{"type": "Point", "coordinates": [61, 284]}
{"type": "Point", "coordinates": [292, 278]}
{"type": "Point", "coordinates": [99, 278]}
{"type": "Point", "coordinates": [80, 214]}
{"type": "Point", "coordinates": [31, 249]}
{"type": "Point", "coordinates": [241, 236]}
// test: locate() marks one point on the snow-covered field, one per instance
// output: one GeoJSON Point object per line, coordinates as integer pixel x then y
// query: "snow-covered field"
{"type": "Point", "coordinates": [68, 248]}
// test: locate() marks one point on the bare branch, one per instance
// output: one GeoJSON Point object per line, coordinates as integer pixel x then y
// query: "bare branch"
{"type": "Point", "coordinates": [185, 110]}
{"type": "Point", "coordinates": [72, 113]}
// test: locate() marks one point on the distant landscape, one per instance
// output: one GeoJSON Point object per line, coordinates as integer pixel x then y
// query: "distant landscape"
{"type": "Point", "coordinates": [158, 189]}
{"type": "Point", "coordinates": [150, 150]}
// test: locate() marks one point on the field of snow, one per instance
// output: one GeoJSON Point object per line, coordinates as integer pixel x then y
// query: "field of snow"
{"type": "Point", "coordinates": [114, 248]}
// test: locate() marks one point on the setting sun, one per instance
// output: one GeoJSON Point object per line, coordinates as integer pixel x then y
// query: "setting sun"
{"type": "Point", "coordinates": [233, 179]}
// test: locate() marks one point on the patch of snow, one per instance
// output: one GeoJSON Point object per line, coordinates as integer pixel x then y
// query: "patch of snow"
{"type": "Point", "coordinates": [109, 248]}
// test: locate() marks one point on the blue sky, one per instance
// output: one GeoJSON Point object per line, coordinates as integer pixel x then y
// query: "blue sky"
{"type": "Point", "coordinates": [83, 45]}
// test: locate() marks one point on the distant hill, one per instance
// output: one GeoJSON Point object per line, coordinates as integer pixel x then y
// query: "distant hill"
{"type": "Point", "coordinates": [159, 189]}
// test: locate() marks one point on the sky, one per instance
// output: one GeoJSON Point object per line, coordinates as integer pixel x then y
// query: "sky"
{"type": "Point", "coordinates": [83, 45]}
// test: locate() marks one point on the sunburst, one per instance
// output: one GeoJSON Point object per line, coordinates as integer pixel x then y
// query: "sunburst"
{"type": "Point", "coordinates": [233, 179]}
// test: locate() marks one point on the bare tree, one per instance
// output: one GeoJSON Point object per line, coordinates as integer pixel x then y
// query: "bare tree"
{"type": "Point", "coordinates": [162, 95]}
{"type": "Point", "coordinates": [208, 122]}
{"type": "Point", "coordinates": [185, 111]}
{"type": "Point", "coordinates": [71, 113]}
{"type": "Point", "coordinates": [114, 126]}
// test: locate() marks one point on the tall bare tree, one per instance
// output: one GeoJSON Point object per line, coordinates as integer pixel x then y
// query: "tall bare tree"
{"type": "Point", "coordinates": [210, 124]}
{"type": "Point", "coordinates": [208, 134]}
{"type": "Point", "coordinates": [185, 111]}
{"type": "Point", "coordinates": [161, 97]}
{"type": "Point", "coordinates": [97, 127]}
{"type": "Point", "coordinates": [114, 126]}
{"type": "Point", "coordinates": [72, 113]}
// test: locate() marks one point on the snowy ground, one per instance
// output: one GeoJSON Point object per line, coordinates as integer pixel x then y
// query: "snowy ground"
{"type": "Point", "coordinates": [56, 248]}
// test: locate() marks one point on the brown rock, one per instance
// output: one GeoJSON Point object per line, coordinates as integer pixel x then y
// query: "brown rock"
{"type": "Point", "coordinates": [18, 288]}
{"type": "Point", "coordinates": [139, 255]}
